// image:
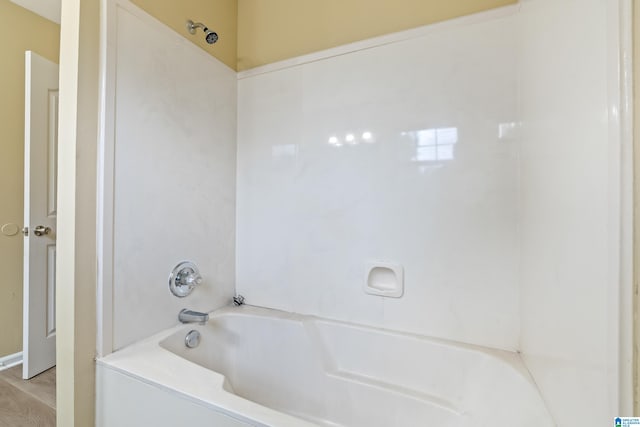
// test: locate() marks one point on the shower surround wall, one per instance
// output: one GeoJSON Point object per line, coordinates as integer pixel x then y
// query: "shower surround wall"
{"type": "Point", "coordinates": [477, 153]}
{"type": "Point", "coordinates": [175, 156]}
{"type": "Point", "coordinates": [570, 215]}
{"type": "Point", "coordinates": [429, 181]}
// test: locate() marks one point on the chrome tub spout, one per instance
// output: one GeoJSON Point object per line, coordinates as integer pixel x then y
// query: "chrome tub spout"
{"type": "Point", "coordinates": [190, 316]}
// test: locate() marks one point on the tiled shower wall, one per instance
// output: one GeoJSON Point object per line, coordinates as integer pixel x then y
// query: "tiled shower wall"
{"type": "Point", "coordinates": [175, 155]}
{"type": "Point", "coordinates": [405, 152]}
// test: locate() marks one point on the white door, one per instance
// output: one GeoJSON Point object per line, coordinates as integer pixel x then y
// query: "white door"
{"type": "Point", "coordinates": [40, 182]}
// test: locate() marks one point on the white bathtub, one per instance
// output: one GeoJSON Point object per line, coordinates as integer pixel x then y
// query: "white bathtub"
{"type": "Point", "coordinates": [263, 367]}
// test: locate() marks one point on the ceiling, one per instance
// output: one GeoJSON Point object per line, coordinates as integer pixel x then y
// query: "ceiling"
{"type": "Point", "coordinates": [49, 9]}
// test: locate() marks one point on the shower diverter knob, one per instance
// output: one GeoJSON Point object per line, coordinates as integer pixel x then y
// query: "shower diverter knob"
{"type": "Point", "coordinates": [184, 277]}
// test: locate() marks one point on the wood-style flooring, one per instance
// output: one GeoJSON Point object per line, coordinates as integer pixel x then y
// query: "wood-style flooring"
{"type": "Point", "coordinates": [29, 403]}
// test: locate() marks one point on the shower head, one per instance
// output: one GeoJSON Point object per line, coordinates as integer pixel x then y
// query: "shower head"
{"type": "Point", "coordinates": [210, 36]}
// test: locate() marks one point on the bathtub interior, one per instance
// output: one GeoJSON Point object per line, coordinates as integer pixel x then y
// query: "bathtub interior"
{"type": "Point", "coordinates": [339, 374]}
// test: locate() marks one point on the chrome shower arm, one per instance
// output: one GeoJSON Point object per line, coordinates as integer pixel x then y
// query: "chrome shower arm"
{"type": "Point", "coordinates": [192, 26]}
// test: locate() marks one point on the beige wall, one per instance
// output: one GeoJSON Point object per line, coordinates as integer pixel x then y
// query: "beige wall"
{"type": "Point", "coordinates": [20, 30]}
{"type": "Point", "coordinates": [258, 32]}
{"type": "Point", "coordinates": [274, 30]}
{"type": "Point", "coordinates": [219, 15]}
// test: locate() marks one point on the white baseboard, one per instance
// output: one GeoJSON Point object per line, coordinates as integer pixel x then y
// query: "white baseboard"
{"type": "Point", "coordinates": [10, 361]}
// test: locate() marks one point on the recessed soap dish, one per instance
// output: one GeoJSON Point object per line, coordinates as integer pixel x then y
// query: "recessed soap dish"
{"type": "Point", "coordinates": [384, 278]}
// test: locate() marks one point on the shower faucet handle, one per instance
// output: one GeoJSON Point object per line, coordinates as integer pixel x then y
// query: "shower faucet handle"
{"type": "Point", "coordinates": [192, 279]}
{"type": "Point", "coordinates": [184, 278]}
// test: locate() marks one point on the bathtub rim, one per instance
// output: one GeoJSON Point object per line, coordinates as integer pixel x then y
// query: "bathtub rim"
{"type": "Point", "coordinates": [142, 359]}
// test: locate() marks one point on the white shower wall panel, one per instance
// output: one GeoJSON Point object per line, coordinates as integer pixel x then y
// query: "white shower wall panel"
{"type": "Point", "coordinates": [175, 157]}
{"type": "Point", "coordinates": [405, 152]}
{"type": "Point", "coordinates": [570, 217]}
